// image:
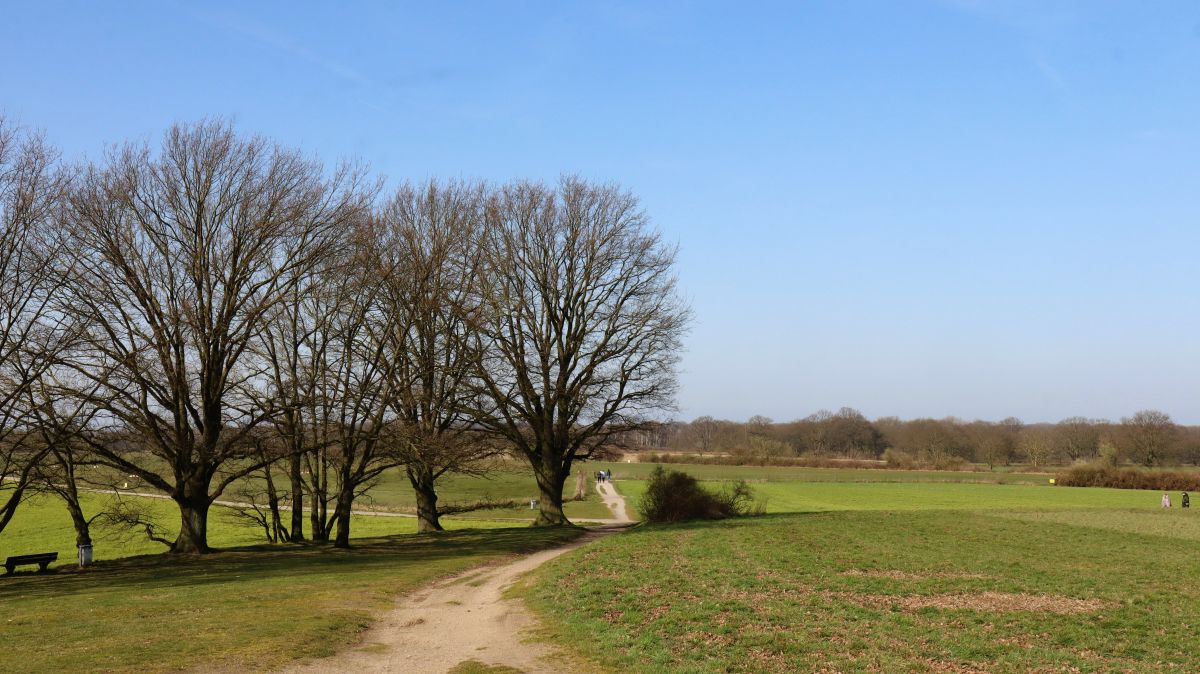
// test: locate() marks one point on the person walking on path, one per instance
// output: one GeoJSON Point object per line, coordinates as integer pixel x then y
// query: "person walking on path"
{"type": "Point", "coordinates": [1166, 500]}
{"type": "Point", "coordinates": [1186, 501]}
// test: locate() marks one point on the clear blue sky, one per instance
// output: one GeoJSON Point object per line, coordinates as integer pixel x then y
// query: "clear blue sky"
{"type": "Point", "coordinates": [920, 208]}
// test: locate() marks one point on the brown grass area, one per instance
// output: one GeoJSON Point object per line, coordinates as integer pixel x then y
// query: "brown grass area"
{"type": "Point", "coordinates": [893, 574]}
{"type": "Point", "coordinates": [994, 602]}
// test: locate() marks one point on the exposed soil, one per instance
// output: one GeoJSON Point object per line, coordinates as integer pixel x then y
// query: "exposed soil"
{"type": "Point", "coordinates": [463, 618]}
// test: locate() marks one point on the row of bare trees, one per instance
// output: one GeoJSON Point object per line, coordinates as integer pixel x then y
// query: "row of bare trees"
{"type": "Point", "coordinates": [222, 311]}
{"type": "Point", "coordinates": [1148, 438]}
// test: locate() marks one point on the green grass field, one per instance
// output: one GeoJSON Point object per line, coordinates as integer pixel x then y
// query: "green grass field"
{"type": "Point", "coordinates": [639, 471]}
{"type": "Point", "coordinates": [42, 525]}
{"type": "Point", "coordinates": [509, 480]}
{"type": "Point", "coordinates": [853, 570]}
{"type": "Point", "coordinates": [799, 497]}
{"type": "Point", "coordinates": [248, 608]}
{"type": "Point", "coordinates": [890, 578]}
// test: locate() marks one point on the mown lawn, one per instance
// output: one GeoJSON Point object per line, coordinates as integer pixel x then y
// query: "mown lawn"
{"type": "Point", "coordinates": [639, 471]}
{"type": "Point", "coordinates": [792, 497]}
{"type": "Point", "coordinates": [1065, 580]}
{"type": "Point", "coordinates": [246, 608]}
{"type": "Point", "coordinates": [43, 525]}
{"type": "Point", "coordinates": [508, 480]}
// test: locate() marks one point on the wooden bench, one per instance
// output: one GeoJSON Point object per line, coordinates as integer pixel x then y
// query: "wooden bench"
{"type": "Point", "coordinates": [42, 560]}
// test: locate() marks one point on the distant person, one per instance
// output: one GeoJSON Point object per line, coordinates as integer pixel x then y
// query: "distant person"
{"type": "Point", "coordinates": [1166, 500]}
{"type": "Point", "coordinates": [1186, 501]}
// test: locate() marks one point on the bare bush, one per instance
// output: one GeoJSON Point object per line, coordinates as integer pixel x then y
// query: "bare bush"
{"type": "Point", "coordinates": [674, 496]}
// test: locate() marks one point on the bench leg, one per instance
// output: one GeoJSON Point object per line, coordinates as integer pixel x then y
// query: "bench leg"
{"type": "Point", "coordinates": [42, 566]}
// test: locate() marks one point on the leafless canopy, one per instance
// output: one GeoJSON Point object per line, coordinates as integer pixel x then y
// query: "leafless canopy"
{"type": "Point", "coordinates": [581, 323]}
{"type": "Point", "coordinates": [183, 253]}
{"type": "Point", "coordinates": [430, 237]}
{"type": "Point", "coordinates": [31, 333]}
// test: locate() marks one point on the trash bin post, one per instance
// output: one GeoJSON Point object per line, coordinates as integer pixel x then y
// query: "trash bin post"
{"type": "Point", "coordinates": [85, 555]}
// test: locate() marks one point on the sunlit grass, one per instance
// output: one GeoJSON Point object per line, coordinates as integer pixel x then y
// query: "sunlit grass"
{"type": "Point", "coordinates": [246, 608]}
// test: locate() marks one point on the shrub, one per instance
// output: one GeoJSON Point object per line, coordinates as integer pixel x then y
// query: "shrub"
{"type": "Point", "coordinates": [673, 496]}
{"type": "Point", "coordinates": [895, 458]}
{"type": "Point", "coordinates": [1104, 475]}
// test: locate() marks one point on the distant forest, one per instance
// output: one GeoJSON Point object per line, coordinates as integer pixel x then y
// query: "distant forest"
{"type": "Point", "coordinates": [1146, 438]}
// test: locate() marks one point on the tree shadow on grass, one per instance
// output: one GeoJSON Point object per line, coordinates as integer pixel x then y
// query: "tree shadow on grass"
{"type": "Point", "coordinates": [150, 572]}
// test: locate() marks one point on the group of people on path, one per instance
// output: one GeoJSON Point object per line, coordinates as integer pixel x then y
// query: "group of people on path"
{"type": "Point", "coordinates": [1185, 502]}
{"type": "Point", "coordinates": [604, 476]}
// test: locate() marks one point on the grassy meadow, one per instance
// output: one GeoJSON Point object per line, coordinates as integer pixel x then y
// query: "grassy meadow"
{"type": "Point", "coordinates": [252, 605]}
{"type": "Point", "coordinates": [849, 570]}
{"type": "Point", "coordinates": [639, 471]}
{"type": "Point", "coordinates": [42, 524]}
{"type": "Point", "coordinates": [248, 608]}
{"type": "Point", "coordinates": [843, 576]}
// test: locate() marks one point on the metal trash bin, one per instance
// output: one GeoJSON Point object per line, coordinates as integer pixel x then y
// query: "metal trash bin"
{"type": "Point", "coordinates": [85, 555]}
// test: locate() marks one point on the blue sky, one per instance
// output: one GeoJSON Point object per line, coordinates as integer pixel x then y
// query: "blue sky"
{"type": "Point", "coordinates": [922, 208]}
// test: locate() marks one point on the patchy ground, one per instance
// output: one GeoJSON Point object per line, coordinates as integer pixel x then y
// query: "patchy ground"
{"type": "Point", "coordinates": [465, 623]}
{"type": "Point", "coordinates": [932, 591]}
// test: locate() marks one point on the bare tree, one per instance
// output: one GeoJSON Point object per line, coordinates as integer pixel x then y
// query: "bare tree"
{"type": "Point", "coordinates": [1077, 438]}
{"type": "Point", "coordinates": [32, 334]}
{"type": "Point", "coordinates": [62, 420]}
{"type": "Point", "coordinates": [705, 431]}
{"type": "Point", "coordinates": [184, 253]}
{"type": "Point", "coordinates": [582, 322]}
{"type": "Point", "coordinates": [429, 248]}
{"type": "Point", "coordinates": [1148, 436]}
{"type": "Point", "coordinates": [355, 394]}
{"type": "Point", "coordinates": [1037, 444]}
{"type": "Point", "coordinates": [996, 444]}
{"type": "Point", "coordinates": [294, 345]}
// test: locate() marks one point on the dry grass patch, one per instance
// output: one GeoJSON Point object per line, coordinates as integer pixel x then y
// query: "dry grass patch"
{"type": "Point", "coordinates": [993, 602]}
{"type": "Point", "coordinates": [895, 574]}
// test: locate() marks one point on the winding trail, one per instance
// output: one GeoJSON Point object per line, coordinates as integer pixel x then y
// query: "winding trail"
{"type": "Point", "coordinates": [614, 501]}
{"type": "Point", "coordinates": [464, 617]}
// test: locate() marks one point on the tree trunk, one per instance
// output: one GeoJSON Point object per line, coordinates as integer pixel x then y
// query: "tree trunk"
{"type": "Point", "coordinates": [318, 513]}
{"type": "Point", "coordinates": [342, 515]}
{"type": "Point", "coordinates": [316, 516]}
{"type": "Point", "coordinates": [580, 486]}
{"type": "Point", "coordinates": [296, 532]}
{"type": "Point", "coordinates": [83, 533]}
{"type": "Point", "coordinates": [551, 476]}
{"type": "Point", "coordinates": [193, 529]}
{"type": "Point", "coordinates": [423, 488]}
{"type": "Point", "coordinates": [275, 532]}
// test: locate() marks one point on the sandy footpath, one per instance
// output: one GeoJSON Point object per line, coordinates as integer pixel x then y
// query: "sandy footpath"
{"type": "Point", "coordinates": [464, 617]}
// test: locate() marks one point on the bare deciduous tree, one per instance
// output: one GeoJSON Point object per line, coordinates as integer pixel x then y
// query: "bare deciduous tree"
{"type": "Point", "coordinates": [582, 322]}
{"type": "Point", "coordinates": [32, 334]}
{"type": "Point", "coordinates": [355, 393]}
{"type": "Point", "coordinates": [184, 253]}
{"type": "Point", "coordinates": [429, 237]}
{"type": "Point", "coordinates": [1077, 438]}
{"type": "Point", "coordinates": [294, 346]}
{"type": "Point", "coordinates": [1147, 436]}
{"type": "Point", "coordinates": [1037, 444]}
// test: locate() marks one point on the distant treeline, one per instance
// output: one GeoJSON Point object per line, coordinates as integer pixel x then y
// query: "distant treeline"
{"type": "Point", "coordinates": [1147, 438]}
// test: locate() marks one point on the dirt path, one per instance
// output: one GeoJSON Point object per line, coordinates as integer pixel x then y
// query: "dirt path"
{"type": "Point", "coordinates": [462, 618]}
{"type": "Point", "coordinates": [614, 501]}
